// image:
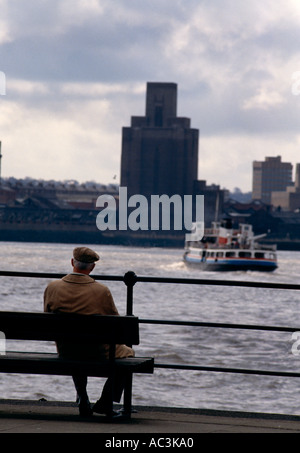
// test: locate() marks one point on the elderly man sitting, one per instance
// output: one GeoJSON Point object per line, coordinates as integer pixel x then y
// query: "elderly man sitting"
{"type": "Point", "coordinates": [79, 293]}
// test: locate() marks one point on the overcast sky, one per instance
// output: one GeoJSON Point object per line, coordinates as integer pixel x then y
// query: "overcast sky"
{"type": "Point", "coordinates": [76, 71]}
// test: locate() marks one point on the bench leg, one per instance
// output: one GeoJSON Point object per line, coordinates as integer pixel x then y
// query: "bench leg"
{"type": "Point", "coordinates": [128, 395]}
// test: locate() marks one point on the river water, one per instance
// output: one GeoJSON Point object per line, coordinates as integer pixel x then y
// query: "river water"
{"type": "Point", "coordinates": [174, 344]}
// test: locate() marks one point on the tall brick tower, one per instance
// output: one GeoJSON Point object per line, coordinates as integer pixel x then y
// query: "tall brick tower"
{"type": "Point", "coordinates": [159, 150]}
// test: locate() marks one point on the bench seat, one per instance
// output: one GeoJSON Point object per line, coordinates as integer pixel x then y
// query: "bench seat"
{"type": "Point", "coordinates": [48, 363]}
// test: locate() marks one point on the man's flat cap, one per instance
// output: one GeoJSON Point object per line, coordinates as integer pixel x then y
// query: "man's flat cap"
{"type": "Point", "coordinates": [85, 255]}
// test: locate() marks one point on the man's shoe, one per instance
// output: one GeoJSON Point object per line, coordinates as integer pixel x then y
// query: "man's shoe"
{"type": "Point", "coordinates": [101, 408]}
{"type": "Point", "coordinates": [115, 415]}
{"type": "Point", "coordinates": [85, 409]}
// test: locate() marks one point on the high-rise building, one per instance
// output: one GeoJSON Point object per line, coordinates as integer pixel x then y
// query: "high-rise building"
{"type": "Point", "coordinates": [269, 176]}
{"type": "Point", "coordinates": [288, 200]}
{"type": "Point", "coordinates": [159, 150]}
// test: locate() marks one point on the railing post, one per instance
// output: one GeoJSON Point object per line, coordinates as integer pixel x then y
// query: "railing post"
{"type": "Point", "coordinates": [130, 280]}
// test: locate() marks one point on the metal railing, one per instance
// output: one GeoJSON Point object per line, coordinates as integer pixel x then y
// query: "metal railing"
{"type": "Point", "coordinates": [130, 279]}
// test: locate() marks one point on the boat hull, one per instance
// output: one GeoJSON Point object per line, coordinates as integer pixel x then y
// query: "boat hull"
{"type": "Point", "coordinates": [229, 265]}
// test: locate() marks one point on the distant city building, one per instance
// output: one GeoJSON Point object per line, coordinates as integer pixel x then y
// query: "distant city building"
{"type": "Point", "coordinates": [70, 194]}
{"type": "Point", "coordinates": [159, 150]}
{"type": "Point", "coordinates": [269, 176]}
{"type": "Point", "coordinates": [288, 200]}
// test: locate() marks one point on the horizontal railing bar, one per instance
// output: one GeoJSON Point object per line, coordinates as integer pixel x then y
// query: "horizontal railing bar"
{"type": "Point", "coordinates": [147, 279]}
{"type": "Point", "coordinates": [219, 325]}
{"type": "Point", "coordinates": [196, 281]}
{"type": "Point", "coordinates": [226, 370]}
{"type": "Point", "coordinates": [55, 275]}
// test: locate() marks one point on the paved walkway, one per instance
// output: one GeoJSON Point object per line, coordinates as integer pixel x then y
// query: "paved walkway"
{"type": "Point", "coordinates": [49, 417]}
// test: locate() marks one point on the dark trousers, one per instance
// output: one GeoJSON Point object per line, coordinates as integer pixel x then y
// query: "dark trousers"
{"type": "Point", "coordinates": [116, 385]}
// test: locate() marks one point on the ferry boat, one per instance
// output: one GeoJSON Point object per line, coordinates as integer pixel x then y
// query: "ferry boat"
{"type": "Point", "coordinates": [222, 248]}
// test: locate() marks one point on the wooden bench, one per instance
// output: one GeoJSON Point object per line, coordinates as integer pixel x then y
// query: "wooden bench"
{"type": "Point", "coordinates": [110, 330]}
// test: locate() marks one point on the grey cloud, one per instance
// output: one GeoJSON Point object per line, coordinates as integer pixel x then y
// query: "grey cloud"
{"type": "Point", "coordinates": [101, 53]}
{"type": "Point", "coordinates": [220, 57]}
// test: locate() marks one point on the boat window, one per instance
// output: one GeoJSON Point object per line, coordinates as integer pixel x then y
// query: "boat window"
{"type": "Point", "coordinates": [228, 254]}
{"type": "Point", "coordinates": [259, 255]}
{"type": "Point", "coordinates": [220, 254]}
{"type": "Point", "coordinates": [245, 254]}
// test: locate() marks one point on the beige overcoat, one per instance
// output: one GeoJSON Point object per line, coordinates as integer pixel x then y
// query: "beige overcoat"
{"type": "Point", "coordinates": [80, 293]}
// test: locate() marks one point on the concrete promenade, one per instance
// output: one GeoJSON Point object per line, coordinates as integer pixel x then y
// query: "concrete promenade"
{"type": "Point", "coordinates": [53, 417]}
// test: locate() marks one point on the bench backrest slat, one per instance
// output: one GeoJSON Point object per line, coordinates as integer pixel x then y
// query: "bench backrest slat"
{"type": "Point", "coordinates": [58, 326]}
